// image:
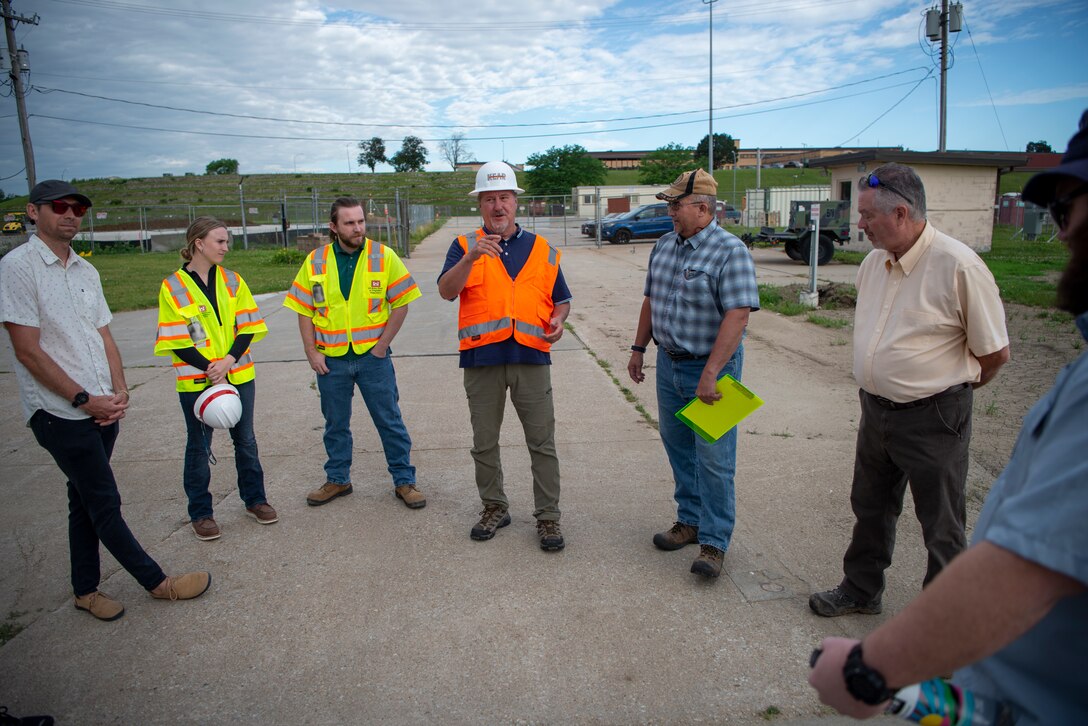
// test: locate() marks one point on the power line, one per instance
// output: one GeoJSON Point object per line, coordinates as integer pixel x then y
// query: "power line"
{"type": "Point", "coordinates": [483, 138]}
{"type": "Point", "coordinates": [251, 117]}
{"type": "Point", "coordinates": [986, 83]}
{"type": "Point", "coordinates": [890, 109]}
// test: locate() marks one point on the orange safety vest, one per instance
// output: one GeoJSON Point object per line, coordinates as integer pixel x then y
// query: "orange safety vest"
{"type": "Point", "coordinates": [492, 304]}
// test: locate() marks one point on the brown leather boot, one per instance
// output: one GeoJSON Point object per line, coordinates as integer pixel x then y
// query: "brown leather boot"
{"type": "Point", "coordinates": [679, 536]}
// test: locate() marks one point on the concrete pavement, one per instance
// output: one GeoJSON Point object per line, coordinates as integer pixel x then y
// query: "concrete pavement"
{"type": "Point", "coordinates": [362, 611]}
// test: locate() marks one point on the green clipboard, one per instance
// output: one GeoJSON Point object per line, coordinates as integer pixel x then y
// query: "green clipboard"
{"type": "Point", "coordinates": [713, 422]}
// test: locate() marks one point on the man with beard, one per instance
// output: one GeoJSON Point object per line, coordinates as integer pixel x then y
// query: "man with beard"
{"type": "Point", "coordinates": [351, 297]}
{"type": "Point", "coordinates": [1011, 612]}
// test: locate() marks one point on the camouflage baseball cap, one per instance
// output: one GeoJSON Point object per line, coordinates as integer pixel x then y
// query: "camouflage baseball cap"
{"type": "Point", "coordinates": [690, 182]}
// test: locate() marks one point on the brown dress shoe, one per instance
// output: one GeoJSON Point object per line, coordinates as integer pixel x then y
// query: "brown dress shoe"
{"type": "Point", "coordinates": [679, 536]}
{"type": "Point", "coordinates": [709, 561]}
{"type": "Point", "coordinates": [100, 605]}
{"type": "Point", "coordinates": [411, 496]}
{"type": "Point", "coordinates": [326, 493]}
{"type": "Point", "coordinates": [183, 587]}
{"type": "Point", "coordinates": [263, 513]}
{"type": "Point", "coordinates": [206, 529]}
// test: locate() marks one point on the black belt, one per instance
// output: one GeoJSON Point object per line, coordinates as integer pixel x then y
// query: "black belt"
{"type": "Point", "coordinates": [680, 355]}
{"type": "Point", "coordinates": [896, 406]}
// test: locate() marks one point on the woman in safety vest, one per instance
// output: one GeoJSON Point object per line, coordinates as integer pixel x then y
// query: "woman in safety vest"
{"type": "Point", "coordinates": [207, 320]}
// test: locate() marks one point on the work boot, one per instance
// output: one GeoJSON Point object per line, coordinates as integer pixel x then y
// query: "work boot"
{"type": "Point", "coordinates": [326, 493]}
{"type": "Point", "coordinates": [492, 518]}
{"type": "Point", "coordinates": [709, 561]}
{"type": "Point", "coordinates": [100, 605]}
{"type": "Point", "coordinates": [836, 602]}
{"type": "Point", "coordinates": [411, 496]}
{"type": "Point", "coordinates": [183, 587]}
{"type": "Point", "coordinates": [206, 529]}
{"type": "Point", "coordinates": [551, 537]}
{"type": "Point", "coordinates": [679, 536]}
{"type": "Point", "coordinates": [263, 513]}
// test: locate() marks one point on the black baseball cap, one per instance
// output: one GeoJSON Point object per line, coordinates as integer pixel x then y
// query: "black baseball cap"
{"type": "Point", "coordinates": [51, 189]}
{"type": "Point", "coordinates": [1040, 188]}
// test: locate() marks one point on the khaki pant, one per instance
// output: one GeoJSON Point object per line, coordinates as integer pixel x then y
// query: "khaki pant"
{"type": "Point", "coordinates": [531, 393]}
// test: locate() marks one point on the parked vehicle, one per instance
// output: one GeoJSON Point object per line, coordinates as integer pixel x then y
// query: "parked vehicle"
{"type": "Point", "coordinates": [589, 227]}
{"type": "Point", "coordinates": [834, 228]}
{"type": "Point", "coordinates": [14, 222]}
{"type": "Point", "coordinates": [728, 214]}
{"type": "Point", "coordinates": [650, 220]}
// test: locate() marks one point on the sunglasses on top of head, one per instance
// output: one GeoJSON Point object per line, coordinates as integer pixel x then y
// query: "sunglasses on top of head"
{"type": "Point", "coordinates": [872, 181]}
{"type": "Point", "coordinates": [60, 207]}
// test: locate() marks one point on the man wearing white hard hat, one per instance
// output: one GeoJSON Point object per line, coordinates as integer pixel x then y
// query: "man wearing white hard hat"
{"type": "Point", "coordinates": [73, 391]}
{"type": "Point", "coordinates": [513, 301]}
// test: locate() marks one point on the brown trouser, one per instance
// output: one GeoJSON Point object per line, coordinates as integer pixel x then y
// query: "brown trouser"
{"type": "Point", "coordinates": [530, 389]}
{"type": "Point", "coordinates": [926, 444]}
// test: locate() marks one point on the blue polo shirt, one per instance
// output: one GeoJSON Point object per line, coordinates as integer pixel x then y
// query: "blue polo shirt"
{"type": "Point", "coordinates": [515, 252]}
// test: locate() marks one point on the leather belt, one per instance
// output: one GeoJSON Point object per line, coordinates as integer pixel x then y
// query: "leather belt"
{"type": "Point", "coordinates": [896, 406]}
{"type": "Point", "coordinates": [681, 355]}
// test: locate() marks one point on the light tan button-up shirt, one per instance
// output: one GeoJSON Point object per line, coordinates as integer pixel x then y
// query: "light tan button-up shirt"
{"type": "Point", "coordinates": [67, 305]}
{"type": "Point", "coordinates": [921, 320]}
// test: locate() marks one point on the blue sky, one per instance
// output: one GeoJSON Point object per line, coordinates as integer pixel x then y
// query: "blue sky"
{"type": "Point", "coordinates": [142, 88]}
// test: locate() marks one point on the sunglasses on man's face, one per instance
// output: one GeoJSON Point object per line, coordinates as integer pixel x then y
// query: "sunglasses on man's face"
{"type": "Point", "coordinates": [1059, 208]}
{"type": "Point", "coordinates": [60, 207]}
{"type": "Point", "coordinates": [873, 182]}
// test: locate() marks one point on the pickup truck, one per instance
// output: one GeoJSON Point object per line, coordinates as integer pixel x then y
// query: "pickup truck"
{"type": "Point", "coordinates": [834, 229]}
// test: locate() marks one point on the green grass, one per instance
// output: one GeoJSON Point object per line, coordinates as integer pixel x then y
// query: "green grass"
{"type": "Point", "coordinates": [1026, 271]}
{"type": "Point", "coordinates": [849, 257]}
{"type": "Point", "coordinates": [826, 322]}
{"type": "Point", "coordinates": [770, 298]}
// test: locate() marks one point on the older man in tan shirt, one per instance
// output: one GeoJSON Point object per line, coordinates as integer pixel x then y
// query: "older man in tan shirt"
{"type": "Point", "coordinates": [929, 328]}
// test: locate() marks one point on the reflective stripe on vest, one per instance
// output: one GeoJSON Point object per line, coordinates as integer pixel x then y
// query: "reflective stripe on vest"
{"type": "Point", "coordinates": [490, 327]}
{"type": "Point", "coordinates": [231, 280]}
{"type": "Point", "coordinates": [178, 291]}
{"type": "Point", "coordinates": [317, 264]}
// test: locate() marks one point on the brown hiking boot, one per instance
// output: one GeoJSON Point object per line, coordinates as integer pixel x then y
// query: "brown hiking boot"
{"type": "Point", "coordinates": [679, 536]}
{"type": "Point", "coordinates": [492, 518]}
{"type": "Point", "coordinates": [183, 587]}
{"type": "Point", "coordinates": [551, 537]}
{"type": "Point", "coordinates": [411, 496]}
{"type": "Point", "coordinates": [709, 561]}
{"type": "Point", "coordinates": [100, 605]}
{"type": "Point", "coordinates": [326, 493]}
{"type": "Point", "coordinates": [263, 513]}
{"type": "Point", "coordinates": [206, 529]}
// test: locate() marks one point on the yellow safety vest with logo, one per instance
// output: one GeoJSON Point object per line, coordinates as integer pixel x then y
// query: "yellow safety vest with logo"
{"type": "Point", "coordinates": [186, 319]}
{"type": "Point", "coordinates": [381, 282]}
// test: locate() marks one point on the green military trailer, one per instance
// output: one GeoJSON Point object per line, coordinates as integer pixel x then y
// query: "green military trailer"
{"type": "Point", "coordinates": [834, 229]}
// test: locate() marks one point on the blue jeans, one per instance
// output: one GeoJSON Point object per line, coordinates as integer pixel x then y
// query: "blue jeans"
{"type": "Point", "coordinates": [197, 475]}
{"type": "Point", "coordinates": [703, 472]}
{"type": "Point", "coordinates": [82, 450]}
{"type": "Point", "coordinates": [377, 381]}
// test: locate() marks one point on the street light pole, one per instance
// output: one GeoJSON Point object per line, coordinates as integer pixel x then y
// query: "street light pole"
{"type": "Point", "coordinates": [710, 135]}
{"type": "Point", "coordinates": [347, 150]}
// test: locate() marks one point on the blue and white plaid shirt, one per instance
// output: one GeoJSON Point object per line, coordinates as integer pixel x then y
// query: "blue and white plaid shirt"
{"type": "Point", "coordinates": [691, 284]}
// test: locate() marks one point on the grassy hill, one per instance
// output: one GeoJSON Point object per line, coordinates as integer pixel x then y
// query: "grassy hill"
{"type": "Point", "coordinates": [444, 188]}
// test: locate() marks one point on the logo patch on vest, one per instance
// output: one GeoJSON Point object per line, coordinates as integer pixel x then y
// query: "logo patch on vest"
{"type": "Point", "coordinates": [375, 283]}
{"type": "Point", "coordinates": [202, 308]}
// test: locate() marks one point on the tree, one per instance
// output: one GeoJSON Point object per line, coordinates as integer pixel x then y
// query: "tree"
{"type": "Point", "coordinates": [372, 153]}
{"type": "Point", "coordinates": [725, 150]}
{"type": "Point", "coordinates": [412, 155]}
{"type": "Point", "coordinates": [663, 165]}
{"type": "Point", "coordinates": [559, 169]}
{"type": "Point", "coordinates": [1039, 147]}
{"type": "Point", "coordinates": [222, 166]}
{"type": "Point", "coordinates": [455, 150]}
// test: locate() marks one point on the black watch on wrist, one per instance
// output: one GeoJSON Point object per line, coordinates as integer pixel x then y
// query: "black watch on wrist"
{"type": "Point", "coordinates": [80, 398]}
{"type": "Point", "coordinates": [864, 683]}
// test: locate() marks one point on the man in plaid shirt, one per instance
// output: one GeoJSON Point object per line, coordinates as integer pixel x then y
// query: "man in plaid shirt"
{"type": "Point", "coordinates": [700, 288]}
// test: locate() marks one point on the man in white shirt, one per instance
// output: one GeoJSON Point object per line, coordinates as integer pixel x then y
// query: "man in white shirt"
{"type": "Point", "coordinates": [928, 328]}
{"type": "Point", "coordinates": [73, 392]}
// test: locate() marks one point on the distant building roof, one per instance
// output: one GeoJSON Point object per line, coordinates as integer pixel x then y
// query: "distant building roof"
{"type": "Point", "coordinates": [946, 158]}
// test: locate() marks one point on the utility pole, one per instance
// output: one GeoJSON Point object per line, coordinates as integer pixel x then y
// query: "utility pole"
{"type": "Point", "coordinates": [20, 63]}
{"type": "Point", "coordinates": [938, 25]}
{"type": "Point", "coordinates": [710, 136]}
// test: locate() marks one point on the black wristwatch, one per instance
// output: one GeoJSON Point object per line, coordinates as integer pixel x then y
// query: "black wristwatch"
{"type": "Point", "coordinates": [81, 398]}
{"type": "Point", "coordinates": [864, 683]}
{"type": "Point", "coordinates": [638, 348]}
